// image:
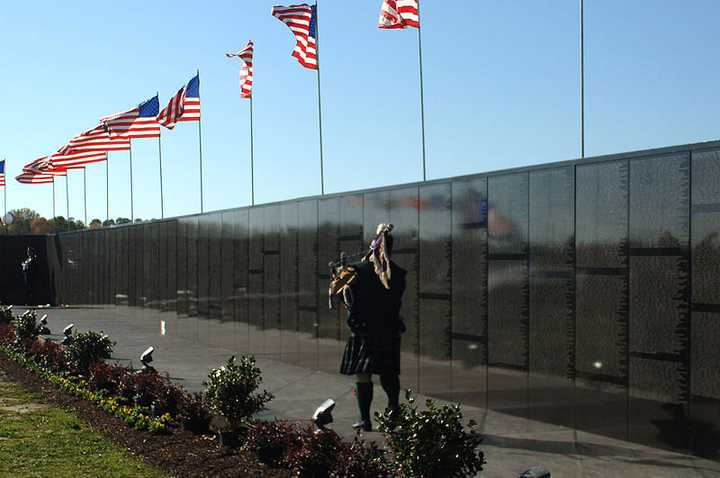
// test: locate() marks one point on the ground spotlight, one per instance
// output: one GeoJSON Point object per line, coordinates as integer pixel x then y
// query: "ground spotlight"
{"type": "Point", "coordinates": [536, 472]}
{"type": "Point", "coordinates": [67, 332]}
{"type": "Point", "coordinates": [43, 325]}
{"type": "Point", "coordinates": [323, 414]}
{"type": "Point", "coordinates": [146, 358]}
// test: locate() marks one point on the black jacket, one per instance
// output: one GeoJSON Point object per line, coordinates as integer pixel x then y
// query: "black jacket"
{"type": "Point", "coordinates": [372, 309]}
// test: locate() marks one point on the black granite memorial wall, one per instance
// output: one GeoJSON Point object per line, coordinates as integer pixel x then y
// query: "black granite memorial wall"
{"type": "Point", "coordinates": [582, 295]}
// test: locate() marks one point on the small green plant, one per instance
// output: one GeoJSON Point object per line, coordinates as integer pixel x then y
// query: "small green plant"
{"type": "Point", "coordinates": [232, 391]}
{"type": "Point", "coordinates": [27, 330]}
{"type": "Point", "coordinates": [88, 348]}
{"type": "Point", "coordinates": [432, 442]}
{"type": "Point", "coordinates": [361, 459]}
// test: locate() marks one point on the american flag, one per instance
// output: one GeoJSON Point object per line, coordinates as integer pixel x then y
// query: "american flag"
{"type": "Point", "coordinates": [139, 122]}
{"type": "Point", "coordinates": [43, 166]}
{"type": "Point", "coordinates": [399, 14]}
{"type": "Point", "coordinates": [246, 70]}
{"type": "Point", "coordinates": [34, 178]}
{"type": "Point", "coordinates": [75, 159]}
{"type": "Point", "coordinates": [2, 173]}
{"type": "Point", "coordinates": [96, 139]}
{"type": "Point", "coordinates": [302, 21]}
{"type": "Point", "coordinates": [36, 172]}
{"type": "Point", "coordinates": [184, 106]}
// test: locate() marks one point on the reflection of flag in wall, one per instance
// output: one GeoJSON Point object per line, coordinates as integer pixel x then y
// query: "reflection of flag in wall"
{"type": "Point", "coordinates": [95, 139]}
{"type": "Point", "coordinates": [302, 21]}
{"type": "Point", "coordinates": [246, 70]}
{"type": "Point", "coordinates": [184, 106]}
{"type": "Point", "coordinates": [139, 122]}
{"type": "Point", "coordinates": [396, 14]}
{"type": "Point", "coordinates": [2, 173]}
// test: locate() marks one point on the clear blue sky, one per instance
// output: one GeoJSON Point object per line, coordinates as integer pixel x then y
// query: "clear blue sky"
{"type": "Point", "coordinates": [501, 83]}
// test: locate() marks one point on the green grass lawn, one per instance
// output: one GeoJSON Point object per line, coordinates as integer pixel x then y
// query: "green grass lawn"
{"type": "Point", "coordinates": [37, 440]}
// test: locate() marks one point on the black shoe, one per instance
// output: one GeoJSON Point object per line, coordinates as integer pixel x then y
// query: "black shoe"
{"type": "Point", "coordinates": [364, 425]}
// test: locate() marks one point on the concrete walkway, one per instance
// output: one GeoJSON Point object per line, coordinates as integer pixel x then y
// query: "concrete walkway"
{"type": "Point", "coordinates": [511, 446]}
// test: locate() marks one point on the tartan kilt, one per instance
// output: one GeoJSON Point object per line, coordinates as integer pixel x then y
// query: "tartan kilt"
{"type": "Point", "coordinates": [370, 354]}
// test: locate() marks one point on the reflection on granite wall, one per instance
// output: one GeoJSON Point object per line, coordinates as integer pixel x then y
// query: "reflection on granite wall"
{"type": "Point", "coordinates": [582, 294]}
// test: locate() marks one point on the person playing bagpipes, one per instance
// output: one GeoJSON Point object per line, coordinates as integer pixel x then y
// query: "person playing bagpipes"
{"type": "Point", "coordinates": [372, 290]}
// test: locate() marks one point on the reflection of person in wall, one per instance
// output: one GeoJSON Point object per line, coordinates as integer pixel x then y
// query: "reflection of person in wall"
{"type": "Point", "coordinates": [373, 296]}
{"type": "Point", "coordinates": [28, 268]}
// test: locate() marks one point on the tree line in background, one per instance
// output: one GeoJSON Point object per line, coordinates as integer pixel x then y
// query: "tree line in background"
{"type": "Point", "coordinates": [28, 221]}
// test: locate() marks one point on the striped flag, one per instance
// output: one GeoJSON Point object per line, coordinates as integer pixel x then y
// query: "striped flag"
{"type": "Point", "coordinates": [75, 159]}
{"type": "Point", "coordinates": [2, 173]}
{"type": "Point", "coordinates": [302, 21]}
{"type": "Point", "coordinates": [139, 122]}
{"type": "Point", "coordinates": [43, 166]}
{"type": "Point", "coordinates": [34, 178]}
{"type": "Point", "coordinates": [96, 139]}
{"type": "Point", "coordinates": [246, 70]}
{"type": "Point", "coordinates": [184, 106]}
{"type": "Point", "coordinates": [395, 14]}
{"type": "Point", "coordinates": [36, 172]}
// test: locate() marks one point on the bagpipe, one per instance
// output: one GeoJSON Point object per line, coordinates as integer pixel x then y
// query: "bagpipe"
{"type": "Point", "coordinates": [342, 273]}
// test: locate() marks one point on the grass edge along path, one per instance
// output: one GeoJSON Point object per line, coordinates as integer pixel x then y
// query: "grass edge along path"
{"type": "Point", "coordinates": [40, 440]}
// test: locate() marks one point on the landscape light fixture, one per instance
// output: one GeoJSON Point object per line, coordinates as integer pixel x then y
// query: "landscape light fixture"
{"type": "Point", "coordinates": [323, 414]}
{"type": "Point", "coordinates": [43, 326]}
{"type": "Point", "coordinates": [67, 332]}
{"type": "Point", "coordinates": [536, 472]}
{"type": "Point", "coordinates": [146, 358]}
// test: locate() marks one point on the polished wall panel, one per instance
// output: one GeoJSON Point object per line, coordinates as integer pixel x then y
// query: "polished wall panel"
{"type": "Point", "coordinates": [227, 265]}
{"type": "Point", "coordinates": [308, 302]}
{"type": "Point", "coordinates": [659, 298]}
{"type": "Point", "coordinates": [551, 334]}
{"type": "Point", "coordinates": [435, 285]}
{"type": "Point", "coordinates": [203, 264]}
{"type": "Point", "coordinates": [705, 325]}
{"type": "Point", "coordinates": [182, 299]}
{"type": "Point", "coordinates": [256, 264]}
{"type": "Point", "coordinates": [215, 290]}
{"type": "Point", "coordinates": [289, 281]}
{"type": "Point", "coordinates": [469, 291]}
{"type": "Point", "coordinates": [241, 276]}
{"type": "Point", "coordinates": [404, 216]}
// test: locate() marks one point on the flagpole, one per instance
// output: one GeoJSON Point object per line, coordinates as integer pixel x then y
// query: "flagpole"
{"type": "Point", "coordinates": [422, 99]}
{"type": "Point", "coordinates": [53, 191]}
{"type": "Point", "coordinates": [107, 189]}
{"type": "Point", "coordinates": [4, 218]}
{"type": "Point", "coordinates": [202, 206]}
{"type": "Point", "coordinates": [67, 194]}
{"type": "Point", "coordinates": [317, 49]}
{"type": "Point", "coordinates": [582, 79]}
{"type": "Point", "coordinates": [85, 193]}
{"type": "Point", "coordinates": [162, 203]}
{"type": "Point", "coordinates": [132, 208]}
{"type": "Point", "coordinates": [252, 156]}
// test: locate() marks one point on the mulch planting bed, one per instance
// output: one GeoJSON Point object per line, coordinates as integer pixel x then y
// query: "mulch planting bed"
{"type": "Point", "coordinates": [180, 453]}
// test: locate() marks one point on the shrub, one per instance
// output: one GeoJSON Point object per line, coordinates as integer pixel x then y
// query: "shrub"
{"type": "Point", "coordinates": [7, 334]}
{"type": "Point", "coordinates": [48, 355]}
{"type": "Point", "coordinates": [272, 441]}
{"type": "Point", "coordinates": [316, 454]}
{"type": "Point", "coordinates": [149, 390]}
{"type": "Point", "coordinates": [432, 442]}
{"type": "Point", "coordinates": [88, 348]}
{"type": "Point", "coordinates": [231, 391]}
{"type": "Point", "coordinates": [195, 413]}
{"type": "Point", "coordinates": [106, 376]}
{"type": "Point", "coordinates": [27, 330]}
{"type": "Point", "coordinates": [361, 460]}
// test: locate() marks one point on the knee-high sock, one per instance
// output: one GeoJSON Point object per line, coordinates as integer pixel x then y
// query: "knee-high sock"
{"type": "Point", "coordinates": [391, 385]}
{"type": "Point", "coordinates": [364, 395]}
